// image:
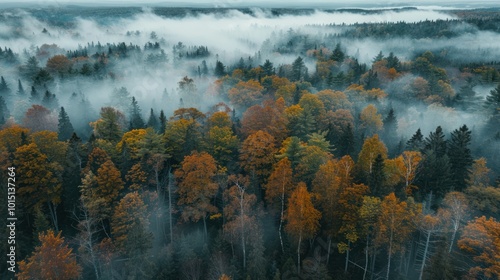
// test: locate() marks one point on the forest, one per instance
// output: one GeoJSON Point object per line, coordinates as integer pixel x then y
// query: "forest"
{"type": "Point", "coordinates": [177, 143]}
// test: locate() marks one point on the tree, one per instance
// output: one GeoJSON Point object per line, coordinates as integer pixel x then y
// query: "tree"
{"type": "Point", "coordinates": [4, 88]}
{"type": "Point", "coordinates": [456, 205]}
{"type": "Point", "coordinates": [436, 142]}
{"type": "Point", "coordinates": [337, 54]}
{"type": "Point", "coordinates": [41, 183]}
{"type": "Point", "coordinates": [267, 68]}
{"type": "Point", "coordinates": [163, 122]}
{"type": "Point", "coordinates": [394, 226]}
{"type": "Point", "coordinates": [240, 222]}
{"type": "Point", "coordinates": [428, 225]}
{"type": "Point", "coordinates": [220, 69]}
{"type": "Point", "coordinates": [197, 187]}
{"type": "Point", "coordinates": [377, 178]}
{"type": "Point", "coordinates": [120, 98]}
{"type": "Point", "coordinates": [492, 102]}
{"type": "Point", "coordinates": [153, 121]}
{"type": "Point", "coordinates": [416, 142]}
{"type": "Point", "coordinates": [49, 100]}
{"type": "Point", "coordinates": [136, 121]}
{"type": "Point", "coordinates": [408, 167]}
{"type": "Point", "coordinates": [479, 174]}
{"type": "Point", "coordinates": [181, 137]}
{"type": "Point", "coordinates": [4, 111]}
{"type": "Point", "coordinates": [371, 122]}
{"type": "Point", "coordinates": [372, 147]}
{"type": "Point", "coordinates": [51, 260]}
{"type": "Point", "coordinates": [39, 118]}
{"type": "Point", "coordinates": [65, 128]}
{"type": "Point", "coordinates": [110, 126]}
{"type": "Point", "coordinates": [460, 157]}
{"type": "Point", "coordinates": [278, 189]}
{"type": "Point", "coordinates": [59, 63]}
{"type": "Point", "coordinates": [109, 185]}
{"type": "Point", "coordinates": [390, 129]}
{"type": "Point", "coordinates": [130, 226]}
{"type": "Point", "coordinates": [481, 238]}
{"type": "Point", "coordinates": [221, 143]}
{"type": "Point", "coordinates": [298, 69]}
{"type": "Point", "coordinates": [246, 94]}
{"type": "Point", "coordinates": [302, 218]}
{"type": "Point", "coordinates": [257, 154]}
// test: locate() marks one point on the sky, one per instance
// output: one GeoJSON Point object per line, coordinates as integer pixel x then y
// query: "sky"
{"type": "Point", "coordinates": [264, 3]}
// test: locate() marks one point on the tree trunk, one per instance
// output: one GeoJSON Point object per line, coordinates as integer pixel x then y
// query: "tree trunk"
{"type": "Point", "coordinates": [347, 256]}
{"type": "Point", "coordinates": [170, 205]}
{"type": "Point", "coordinates": [205, 228]}
{"type": "Point", "coordinates": [298, 254]}
{"type": "Point", "coordinates": [453, 236]}
{"type": "Point", "coordinates": [281, 216]}
{"type": "Point", "coordinates": [389, 256]}
{"type": "Point", "coordinates": [328, 250]}
{"type": "Point", "coordinates": [425, 254]}
{"type": "Point", "coordinates": [242, 193]}
{"type": "Point", "coordinates": [366, 255]}
{"type": "Point", "coordinates": [53, 215]}
{"type": "Point", "coordinates": [372, 268]}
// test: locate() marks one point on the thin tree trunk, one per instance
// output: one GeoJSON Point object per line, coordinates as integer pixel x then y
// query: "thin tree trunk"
{"type": "Point", "coordinates": [425, 254]}
{"type": "Point", "coordinates": [205, 228]}
{"type": "Point", "coordinates": [328, 250]}
{"type": "Point", "coordinates": [366, 255]}
{"type": "Point", "coordinates": [372, 268]}
{"type": "Point", "coordinates": [281, 216]}
{"type": "Point", "coordinates": [170, 205]}
{"type": "Point", "coordinates": [242, 228]}
{"type": "Point", "coordinates": [298, 254]}
{"type": "Point", "coordinates": [389, 256]}
{"type": "Point", "coordinates": [347, 256]}
{"type": "Point", "coordinates": [53, 215]}
{"type": "Point", "coordinates": [452, 239]}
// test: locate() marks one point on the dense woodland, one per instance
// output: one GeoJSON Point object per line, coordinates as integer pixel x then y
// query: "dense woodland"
{"type": "Point", "coordinates": [323, 167]}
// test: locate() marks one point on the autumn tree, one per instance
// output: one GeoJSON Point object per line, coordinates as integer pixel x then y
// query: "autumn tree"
{"type": "Point", "coordinates": [197, 187]}
{"type": "Point", "coordinates": [246, 94]}
{"type": "Point", "coordinates": [481, 238]}
{"type": "Point", "coordinates": [41, 184]}
{"type": "Point", "coordinates": [278, 189]}
{"type": "Point", "coordinates": [51, 260]}
{"type": "Point", "coordinates": [479, 174]}
{"type": "Point", "coordinates": [371, 121]}
{"type": "Point", "coordinates": [257, 154]}
{"type": "Point", "coordinates": [130, 225]}
{"type": "Point", "coordinates": [456, 206]}
{"type": "Point", "coordinates": [302, 218]}
{"type": "Point", "coordinates": [39, 118]}
{"type": "Point", "coordinates": [59, 63]}
{"type": "Point", "coordinates": [394, 226]}
{"type": "Point", "coordinates": [372, 147]}
{"type": "Point", "coordinates": [181, 137]}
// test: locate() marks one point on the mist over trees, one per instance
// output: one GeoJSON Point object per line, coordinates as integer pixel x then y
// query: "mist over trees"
{"type": "Point", "coordinates": [295, 144]}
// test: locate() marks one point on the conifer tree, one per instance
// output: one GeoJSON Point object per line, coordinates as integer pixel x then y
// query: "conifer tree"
{"type": "Point", "coordinates": [136, 121]}
{"type": "Point", "coordinates": [64, 128]}
{"type": "Point", "coordinates": [460, 157]}
{"type": "Point", "coordinates": [153, 121]}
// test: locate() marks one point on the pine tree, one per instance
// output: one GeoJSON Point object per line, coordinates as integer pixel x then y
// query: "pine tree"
{"type": "Point", "coordinates": [377, 178]}
{"type": "Point", "coordinates": [436, 142]}
{"type": "Point", "coordinates": [268, 68]}
{"type": "Point", "coordinates": [393, 62]}
{"type": "Point", "coordinates": [4, 88]}
{"type": "Point", "coordinates": [20, 89]}
{"type": "Point", "coordinates": [4, 111]}
{"type": "Point", "coordinates": [390, 130]}
{"type": "Point", "coordinates": [416, 142]}
{"type": "Point", "coordinates": [298, 68]}
{"type": "Point", "coordinates": [65, 128]}
{"type": "Point", "coordinates": [163, 122]}
{"type": "Point", "coordinates": [460, 157]}
{"type": "Point", "coordinates": [379, 57]}
{"type": "Point", "coordinates": [337, 54]}
{"type": "Point", "coordinates": [493, 101]}
{"type": "Point", "coordinates": [153, 121]}
{"type": "Point", "coordinates": [136, 121]}
{"type": "Point", "coordinates": [220, 69]}
{"type": "Point", "coordinates": [49, 100]}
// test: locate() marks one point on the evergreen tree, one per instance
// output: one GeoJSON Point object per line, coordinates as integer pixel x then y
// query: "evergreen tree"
{"type": "Point", "coordinates": [416, 142]}
{"type": "Point", "coordinates": [20, 89]}
{"type": "Point", "coordinates": [4, 88]}
{"type": "Point", "coordinates": [460, 157]}
{"type": "Point", "coordinates": [220, 69]}
{"type": "Point", "coordinates": [379, 57]}
{"type": "Point", "coordinates": [390, 135]}
{"type": "Point", "coordinates": [65, 128]}
{"type": "Point", "coordinates": [298, 68]}
{"type": "Point", "coordinates": [268, 68]}
{"type": "Point", "coordinates": [49, 100]}
{"type": "Point", "coordinates": [493, 101]}
{"type": "Point", "coordinates": [153, 121]}
{"type": "Point", "coordinates": [346, 141]}
{"type": "Point", "coordinates": [377, 178]}
{"type": "Point", "coordinates": [436, 142]}
{"type": "Point", "coordinates": [393, 62]}
{"type": "Point", "coordinates": [136, 120]}
{"type": "Point", "coordinates": [163, 121]}
{"type": "Point", "coordinates": [204, 68]}
{"type": "Point", "coordinates": [337, 54]}
{"type": "Point", "coordinates": [4, 111]}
